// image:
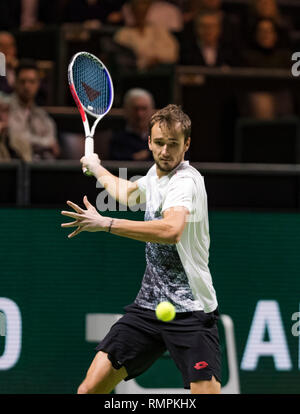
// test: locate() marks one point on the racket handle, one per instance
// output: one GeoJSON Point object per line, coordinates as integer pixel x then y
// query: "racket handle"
{"type": "Point", "coordinates": [87, 172]}
{"type": "Point", "coordinates": [89, 149]}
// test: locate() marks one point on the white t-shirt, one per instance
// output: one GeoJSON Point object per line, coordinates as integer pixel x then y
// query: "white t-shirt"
{"type": "Point", "coordinates": [178, 273]}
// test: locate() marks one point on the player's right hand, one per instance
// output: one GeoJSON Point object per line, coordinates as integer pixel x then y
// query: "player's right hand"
{"type": "Point", "coordinates": [91, 163]}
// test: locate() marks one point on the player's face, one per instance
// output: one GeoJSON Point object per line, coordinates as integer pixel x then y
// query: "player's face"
{"type": "Point", "coordinates": [168, 147]}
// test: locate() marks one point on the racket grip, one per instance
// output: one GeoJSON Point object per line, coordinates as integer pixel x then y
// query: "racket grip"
{"type": "Point", "coordinates": [89, 149]}
{"type": "Point", "coordinates": [87, 172]}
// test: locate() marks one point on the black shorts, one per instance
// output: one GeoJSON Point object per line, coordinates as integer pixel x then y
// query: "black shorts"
{"type": "Point", "coordinates": [138, 339]}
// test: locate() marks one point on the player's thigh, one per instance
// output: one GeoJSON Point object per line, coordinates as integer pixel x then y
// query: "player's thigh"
{"type": "Point", "coordinates": [101, 376]}
{"type": "Point", "coordinates": [211, 386]}
{"type": "Point", "coordinates": [196, 351]}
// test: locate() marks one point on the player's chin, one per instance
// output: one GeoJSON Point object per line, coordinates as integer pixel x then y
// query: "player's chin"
{"type": "Point", "coordinates": [168, 166]}
{"type": "Point", "coordinates": [165, 166]}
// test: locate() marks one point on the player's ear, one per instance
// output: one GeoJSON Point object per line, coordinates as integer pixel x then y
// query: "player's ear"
{"type": "Point", "coordinates": [149, 143]}
{"type": "Point", "coordinates": [187, 144]}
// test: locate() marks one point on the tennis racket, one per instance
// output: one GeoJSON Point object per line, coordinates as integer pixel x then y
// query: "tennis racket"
{"type": "Point", "coordinates": [92, 89]}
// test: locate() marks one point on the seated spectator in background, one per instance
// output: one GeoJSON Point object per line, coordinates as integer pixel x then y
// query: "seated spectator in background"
{"type": "Point", "coordinates": [32, 133]}
{"type": "Point", "coordinates": [266, 53]}
{"type": "Point", "coordinates": [152, 45]}
{"type": "Point", "coordinates": [132, 143]}
{"type": "Point", "coordinates": [230, 23]}
{"type": "Point", "coordinates": [160, 13]}
{"type": "Point", "coordinates": [5, 152]}
{"type": "Point", "coordinates": [9, 48]}
{"type": "Point", "coordinates": [204, 47]}
{"type": "Point", "coordinates": [267, 9]}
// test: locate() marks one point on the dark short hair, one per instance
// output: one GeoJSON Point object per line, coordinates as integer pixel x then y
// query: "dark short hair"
{"type": "Point", "coordinates": [169, 116]}
{"type": "Point", "coordinates": [26, 64]}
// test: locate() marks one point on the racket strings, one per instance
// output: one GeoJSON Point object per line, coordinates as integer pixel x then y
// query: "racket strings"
{"type": "Point", "coordinates": [92, 84]}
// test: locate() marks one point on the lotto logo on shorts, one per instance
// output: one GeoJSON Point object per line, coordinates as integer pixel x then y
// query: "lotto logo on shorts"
{"type": "Point", "coordinates": [201, 365]}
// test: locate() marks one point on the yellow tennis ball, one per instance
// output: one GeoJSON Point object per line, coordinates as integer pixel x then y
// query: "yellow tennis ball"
{"type": "Point", "coordinates": [165, 311]}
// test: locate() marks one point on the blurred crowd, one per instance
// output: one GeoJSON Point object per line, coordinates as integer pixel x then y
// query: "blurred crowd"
{"type": "Point", "coordinates": [145, 35]}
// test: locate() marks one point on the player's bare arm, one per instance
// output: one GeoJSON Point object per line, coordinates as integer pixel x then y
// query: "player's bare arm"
{"type": "Point", "coordinates": [167, 230]}
{"type": "Point", "coordinates": [118, 188]}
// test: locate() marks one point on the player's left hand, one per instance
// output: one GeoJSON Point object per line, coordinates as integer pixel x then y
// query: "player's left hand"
{"type": "Point", "coordinates": [91, 163]}
{"type": "Point", "coordinates": [85, 220]}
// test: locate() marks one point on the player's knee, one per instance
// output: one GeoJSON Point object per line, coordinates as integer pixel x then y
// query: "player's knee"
{"type": "Point", "coordinates": [86, 388]}
{"type": "Point", "coordinates": [83, 389]}
{"type": "Point", "coordinates": [206, 387]}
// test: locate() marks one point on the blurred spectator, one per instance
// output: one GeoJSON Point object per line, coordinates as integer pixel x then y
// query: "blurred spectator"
{"type": "Point", "coordinates": [230, 24]}
{"type": "Point", "coordinates": [9, 48]}
{"type": "Point", "coordinates": [152, 45]}
{"type": "Point", "coordinates": [267, 53]}
{"type": "Point", "coordinates": [5, 152]}
{"type": "Point", "coordinates": [132, 143]}
{"type": "Point", "coordinates": [32, 133]}
{"type": "Point", "coordinates": [160, 13]}
{"type": "Point", "coordinates": [267, 9]}
{"type": "Point", "coordinates": [204, 46]}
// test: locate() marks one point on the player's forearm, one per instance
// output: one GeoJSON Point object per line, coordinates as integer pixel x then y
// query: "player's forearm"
{"type": "Point", "coordinates": [115, 186]}
{"type": "Point", "coordinates": [154, 231]}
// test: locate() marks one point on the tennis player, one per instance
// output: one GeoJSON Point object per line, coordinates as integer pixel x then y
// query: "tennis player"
{"type": "Point", "coordinates": [176, 232]}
